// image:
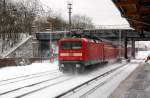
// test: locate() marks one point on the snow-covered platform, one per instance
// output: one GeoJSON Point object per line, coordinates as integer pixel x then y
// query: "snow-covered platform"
{"type": "Point", "coordinates": [137, 85]}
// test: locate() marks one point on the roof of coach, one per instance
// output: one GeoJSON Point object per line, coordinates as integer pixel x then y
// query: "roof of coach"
{"type": "Point", "coordinates": [79, 39]}
{"type": "Point", "coordinates": [73, 39]}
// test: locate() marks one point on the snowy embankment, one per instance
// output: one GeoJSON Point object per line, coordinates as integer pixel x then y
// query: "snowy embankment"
{"type": "Point", "coordinates": [16, 71]}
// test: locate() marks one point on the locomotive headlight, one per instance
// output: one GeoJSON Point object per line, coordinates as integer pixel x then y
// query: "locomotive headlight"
{"type": "Point", "coordinates": [70, 54]}
{"type": "Point", "coordinates": [64, 54]}
{"type": "Point", "coordinates": [77, 65]}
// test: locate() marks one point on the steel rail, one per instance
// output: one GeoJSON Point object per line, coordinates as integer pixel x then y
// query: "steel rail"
{"type": "Point", "coordinates": [73, 89]}
{"type": "Point", "coordinates": [25, 76]}
{"type": "Point", "coordinates": [30, 85]}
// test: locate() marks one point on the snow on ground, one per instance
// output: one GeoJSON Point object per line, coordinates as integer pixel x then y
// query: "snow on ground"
{"type": "Point", "coordinates": [16, 71]}
{"type": "Point", "coordinates": [53, 91]}
{"type": "Point", "coordinates": [105, 85]}
{"type": "Point", "coordinates": [108, 88]}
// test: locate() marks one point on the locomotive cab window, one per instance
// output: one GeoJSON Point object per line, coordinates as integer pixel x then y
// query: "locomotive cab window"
{"type": "Point", "coordinates": [65, 45]}
{"type": "Point", "coordinates": [71, 45]}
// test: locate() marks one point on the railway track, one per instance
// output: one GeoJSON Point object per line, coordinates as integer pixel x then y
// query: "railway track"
{"type": "Point", "coordinates": [34, 83]}
{"type": "Point", "coordinates": [85, 89]}
{"type": "Point", "coordinates": [101, 83]}
{"type": "Point", "coordinates": [26, 77]}
{"type": "Point", "coordinates": [46, 86]}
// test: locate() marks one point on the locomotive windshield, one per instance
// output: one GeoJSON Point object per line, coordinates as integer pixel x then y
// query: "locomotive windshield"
{"type": "Point", "coordinates": [71, 45]}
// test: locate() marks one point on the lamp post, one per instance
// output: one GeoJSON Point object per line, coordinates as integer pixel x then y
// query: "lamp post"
{"type": "Point", "coordinates": [120, 46]}
{"type": "Point", "coordinates": [69, 8]}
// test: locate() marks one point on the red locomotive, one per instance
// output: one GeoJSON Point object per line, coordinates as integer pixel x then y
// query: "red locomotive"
{"type": "Point", "coordinates": [74, 54]}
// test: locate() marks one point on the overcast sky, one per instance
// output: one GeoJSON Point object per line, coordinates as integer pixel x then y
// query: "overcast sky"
{"type": "Point", "coordinates": [102, 12]}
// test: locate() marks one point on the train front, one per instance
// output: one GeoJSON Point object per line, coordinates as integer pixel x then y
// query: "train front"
{"type": "Point", "coordinates": [71, 54]}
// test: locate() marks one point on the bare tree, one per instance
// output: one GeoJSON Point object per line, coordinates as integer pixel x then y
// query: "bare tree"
{"type": "Point", "coordinates": [15, 18]}
{"type": "Point", "coordinates": [50, 20]}
{"type": "Point", "coordinates": [81, 21]}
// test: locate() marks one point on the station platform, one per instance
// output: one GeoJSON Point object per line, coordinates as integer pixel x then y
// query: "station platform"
{"type": "Point", "coordinates": [137, 85]}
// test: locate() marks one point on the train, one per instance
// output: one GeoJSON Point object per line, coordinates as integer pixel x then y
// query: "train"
{"type": "Point", "coordinates": [75, 54]}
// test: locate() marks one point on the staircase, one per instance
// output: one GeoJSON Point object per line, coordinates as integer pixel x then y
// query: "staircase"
{"type": "Point", "coordinates": [15, 51]}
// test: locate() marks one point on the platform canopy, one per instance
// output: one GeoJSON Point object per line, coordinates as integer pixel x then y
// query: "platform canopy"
{"type": "Point", "coordinates": [137, 12]}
